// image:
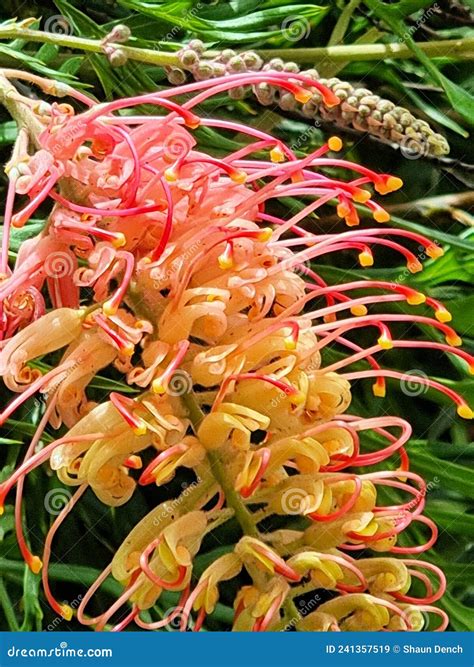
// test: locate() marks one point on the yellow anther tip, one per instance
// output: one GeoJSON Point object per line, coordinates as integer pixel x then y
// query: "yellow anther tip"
{"type": "Point", "coordinates": [158, 388]}
{"type": "Point", "coordinates": [225, 263]}
{"type": "Point", "coordinates": [359, 311]}
{"type": "Point", "coordinates": [342, 210]}
{"type": "Point", "coordinates": [465, 412]}
{"type": "Point", "coordinates": [2, 510]}
{"type": "Point", "coordinates": [434, 251]}
{"type": "Point", "coordinates": [385, 343]}
{"type": "Point", "coordinates": [135, 462]}
{"type": "Point", "coordinates": [128, 350]}
{"type": "Point", "coordinates": [238, 176]}
{"type": "Point", "coordinates": [381, 216]}
{"type": "Point", "coordinates": [265, 235]}
{"type": "Point", "coordinates": [35, 564]}
{"type": "Point", "coordinates": [443, 315]}
{"type": "Point", "coordinates": [378, 391]}
{"type": "Point", "coordinates": [119, 241]}
{"type": "Point", "coordinates": [290, 344]}
{"type": "Point", "coordinates": [66, 612]}
{"type": "Point", "coordinates": [394, 183]}
{"type": "Point", "coordinates": [298, 398]}
{"type": "Point", "coordinates": [361, 196]}
{"type": "Point", "coordinates": [303, 96]}
{"type": "Point", "coordinates": [454, 340]}
{"type": "Point", "coordinates": [170, 175]}
{"type": "Point", "coordinates": [415, 267]}
{"type": "Point", "coordinates": [416, 299]}
{"type": "Point", "coordinates": [140, 429]}
{"type": "Point", "coordinates": [335, 144]}
{"type": "Point", "coordinates": [109, 308]}
{"type": "Point", "coordinates": [365, 259]}
{"type": "Point", "coordinates": [352, 220]}
{"type": "Point", "coordinates": [277, 155]}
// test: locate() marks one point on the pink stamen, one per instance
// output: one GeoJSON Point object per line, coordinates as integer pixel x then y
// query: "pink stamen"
{"type": "Point", "coordinates": [430, 597]}
{"type": "Point", "coordinates": [186, 610]}
{"type": "Point", "coordinates": [463, 407]}
{"type": "Point", "coordinates": [161, 583]}
{"type": "Point", "coordinates": [33, 388]}
{"type": "Point", "coordinates": [125, 406]}
{"type": "Point", "coordinates": [314, 516]}
{"type": "Point", "coordinates": [147, 476]}
{"type": "Point", "coordinates": [116, 238]}
{"type": "Point", "coordinates": [166, 235]}
{"type": "Point", "coordinates": [22, 217]}
{"type": "Point", "coordinates": [37, 459]}
{"type": "Point", "coordinates": [58, 608]}
{"type": "Point", "coordinates": [264, 453]}
{"type": "Point", "coordinates": [7, 222]}
{"type": "Point", "coordinates": [120, 342]}
{"type": "Point", "coordinates": [288, 389]}
{"type": "Point", "coordinates": [28, 557]}
{"type": "Point", "coordinates": [160, 384]}
{"type": "Point", "coordinates": [167, 620]}
{"type": "Point", "coordinates": [111, 306]}
{"type": "Point", "coordinates": [126, 621]}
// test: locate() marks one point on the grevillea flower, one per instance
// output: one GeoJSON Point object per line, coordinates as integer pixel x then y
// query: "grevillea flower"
{"type": "Point", "coordinates": [175, 268]}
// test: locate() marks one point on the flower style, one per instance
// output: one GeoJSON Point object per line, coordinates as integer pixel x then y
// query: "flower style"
{"type": "Point", "coordinates": [175, 268]}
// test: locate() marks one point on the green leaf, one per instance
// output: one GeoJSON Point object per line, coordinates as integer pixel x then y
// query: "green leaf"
{"type": "Point", "coordinates": [259, 25]}
{"type": "Point", "coordinates": [35, 64]}
{"type": "Point", "coordinates": [461, 100]}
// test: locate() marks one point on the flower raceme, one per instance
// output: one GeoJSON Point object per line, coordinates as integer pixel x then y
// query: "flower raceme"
{"type": "Point", "coordinates": [176, 268]}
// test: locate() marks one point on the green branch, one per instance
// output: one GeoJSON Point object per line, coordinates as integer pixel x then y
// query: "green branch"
{"type": "Point", "coordinates": [450, 48]}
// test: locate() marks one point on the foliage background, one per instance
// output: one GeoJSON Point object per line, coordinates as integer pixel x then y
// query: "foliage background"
{"type": "Point", "coordinates": [435, 201]}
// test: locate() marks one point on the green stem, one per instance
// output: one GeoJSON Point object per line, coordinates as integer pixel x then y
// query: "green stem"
{"type": "Point", "coordinates": [449, 48]}
{"type": "Point", "coordinates": [243, 516]}
{"type": "Point", "coordinates": [20, 113]}
{"type": "Point", "coordinates": [89, 45]}
{"type": "Point", "coordinates": [7, 605]}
